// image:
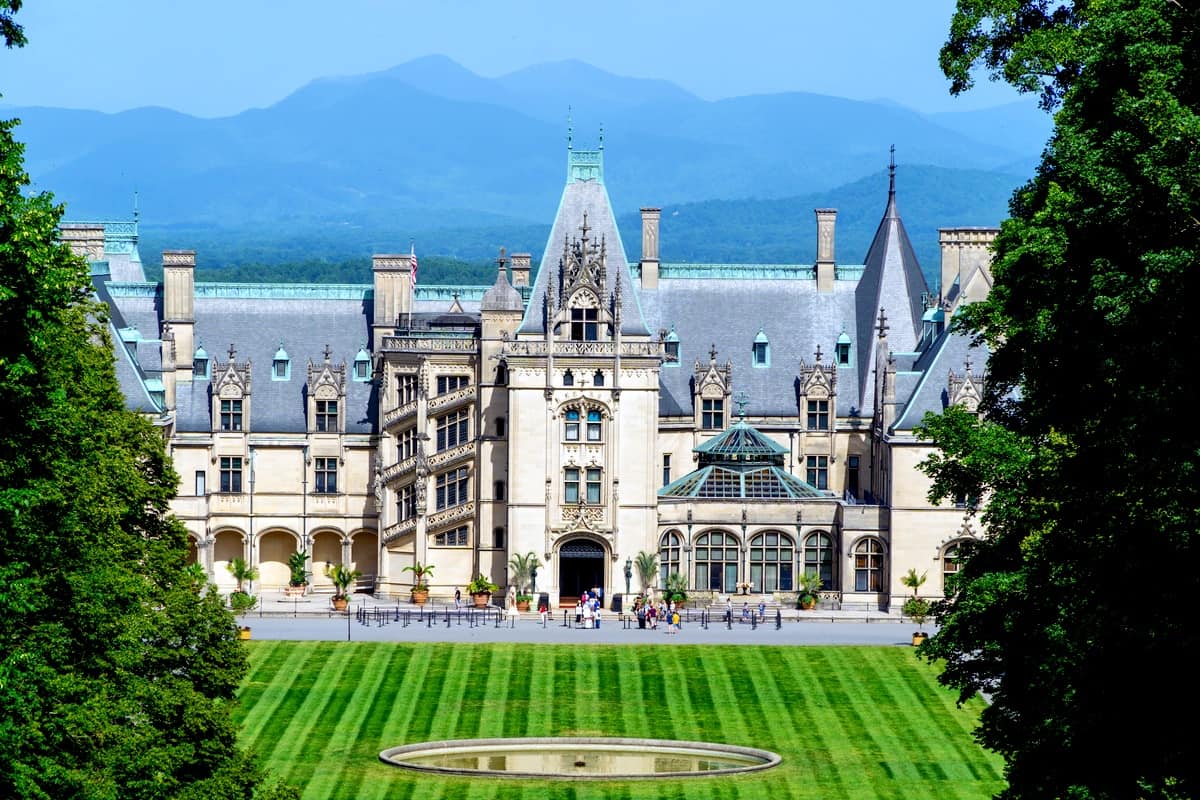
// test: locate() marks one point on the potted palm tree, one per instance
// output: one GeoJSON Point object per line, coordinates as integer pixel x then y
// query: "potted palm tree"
{"type": "Point", "coordinates": [342, 577]}
{"type": "Point", "coordinates": [677, 588]}
{"type": "Point", "coordinates": [916, 608]}
{"type": "Point", "coordinates": [647, 569]}
{"type": "Point", "coordinates": [297, 583]}
{"type": "Point", "coordinates": [522, 568]}
{"type": "Point", "coordinates": [420, 589]}
{"type": "Point", "coordinates": [810, 588]}
{"type": "Point", "coordinates": [241, 602]}
{"type": "Point", "coordinates": [481, 589]}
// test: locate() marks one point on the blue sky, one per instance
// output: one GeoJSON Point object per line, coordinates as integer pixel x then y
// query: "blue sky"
{"type": "Point", "coordinates": [219, 57]}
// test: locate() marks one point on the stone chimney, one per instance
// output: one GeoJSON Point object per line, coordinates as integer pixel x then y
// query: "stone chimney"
{"type": "Point", "coordinates": [650, 217]}
{"type": "Point", "coordinates": [967, 262]}
{"type": "Point", "coordinates": [393, 293]}
{"type": "Point", "coordinates": [84, 238]}
{"type": "Point", "coordinates": [179, 306]}
{"type": "Point", "coordinates": [521, 264]}
{"type": "Point", "coordinates": [825, 266]}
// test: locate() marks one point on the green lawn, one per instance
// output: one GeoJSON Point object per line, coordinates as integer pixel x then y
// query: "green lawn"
{"type": "Point", "coordinates": [850, 722]}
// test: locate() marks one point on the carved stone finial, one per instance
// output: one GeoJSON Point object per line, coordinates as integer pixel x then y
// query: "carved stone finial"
{"type": "Point", "coordinates": [818, 354]}
{"type": "Point", "coordinates": [967, 364]}
{"type": "Point", "coordinates": [712, 353]}
{"type": "Point", "coordinates": [232, 352]}
{"type": "Point", "coordinates": [742, 400]}
{"type": "Point", "coordinates": [328, 352]}
{"type": "Point", "coordinates": [883, 326]}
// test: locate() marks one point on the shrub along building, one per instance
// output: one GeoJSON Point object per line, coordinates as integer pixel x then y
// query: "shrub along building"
{"type": "Point", "coordinates": [746, 422]}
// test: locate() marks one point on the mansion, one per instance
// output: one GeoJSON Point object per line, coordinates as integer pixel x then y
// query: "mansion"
{"type": "Point", "coordinates": [746, 423]}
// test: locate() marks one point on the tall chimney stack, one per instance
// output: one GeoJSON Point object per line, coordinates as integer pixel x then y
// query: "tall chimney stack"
{"type": "Point", "coordinates": [179, 305]}
{"type": "Point", "coordinates": [650, 217]}
{"type": "Point", "coordinates": [826, 269]}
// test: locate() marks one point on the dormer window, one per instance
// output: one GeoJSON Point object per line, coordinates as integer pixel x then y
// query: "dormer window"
{"type": "Point", "coordinates": [585, 324]}
{"type": "Point", "coordinates": [598, 378]}
{"type": "Point", "coordinates": [362, 365]}
{"type": "Point", "coordinates": [842, 350]}
{"type": "Point", "coordinates": [762, 350]}
{"type": "Point", "coordinates": [200, 364]}
{"type": "Point", "coordinates": [281, 365]}
{"type": "Point", "coordinates": [671, 348]}
{"type": "Point", "coordinates": [568, 378]}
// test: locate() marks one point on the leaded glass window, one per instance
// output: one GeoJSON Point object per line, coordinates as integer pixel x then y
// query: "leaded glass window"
{"type": "Point", "coordinates": [772, 562]}
{"type": "Point", "coordinates": [716, 558]}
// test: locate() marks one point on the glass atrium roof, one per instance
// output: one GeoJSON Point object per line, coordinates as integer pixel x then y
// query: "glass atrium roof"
{"type": "Point", "coordinates": [741, 463]}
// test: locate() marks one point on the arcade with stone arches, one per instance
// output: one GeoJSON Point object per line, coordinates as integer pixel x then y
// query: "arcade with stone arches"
{"type": "Point", "coordinates": [273, 546]}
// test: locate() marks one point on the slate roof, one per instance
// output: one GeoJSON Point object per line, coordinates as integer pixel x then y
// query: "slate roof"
{"type": "Point", "coordinates": [255, 327]}
{"type": "Point", "coordinates": [581, 196]}
{"type": "Point", "coordinates": [891, 280]}
{"type": "Point", "coordinates": [931, 391]}
{"type": "Point", "coordinates": [728, 313]}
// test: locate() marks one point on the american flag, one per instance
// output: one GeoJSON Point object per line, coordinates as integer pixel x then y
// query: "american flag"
{"type": "Point", "coordinates": [412, 257]}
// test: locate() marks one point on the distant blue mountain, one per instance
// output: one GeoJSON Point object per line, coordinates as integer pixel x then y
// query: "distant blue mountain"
{"type": "Point", "coordinates": [430, 144]}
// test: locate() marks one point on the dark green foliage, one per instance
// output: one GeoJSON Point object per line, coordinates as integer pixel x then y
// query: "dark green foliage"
{"type": "Point", "coordinates": [118, 665]}
{"type": "Point", "coordinates": [1075, 612]}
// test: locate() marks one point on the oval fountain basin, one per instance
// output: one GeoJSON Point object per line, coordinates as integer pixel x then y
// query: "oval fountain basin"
{"type": "Point", "coordinates": [579, 758]}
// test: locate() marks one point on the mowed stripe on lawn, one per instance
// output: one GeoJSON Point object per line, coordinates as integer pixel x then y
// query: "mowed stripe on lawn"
{"type": "Point", "coordinates": [849, 722]}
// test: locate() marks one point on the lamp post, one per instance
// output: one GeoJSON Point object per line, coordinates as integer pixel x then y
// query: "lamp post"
{"type": "Point", "coordinates": [533, 580]}
{"type": "Point", "coordinates": [628, 573]}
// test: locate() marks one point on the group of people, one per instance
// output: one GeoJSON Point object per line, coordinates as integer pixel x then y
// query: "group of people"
{"type": "Point", "coordinates": [747, 613]}
{"type": "Point", "coordinates": [587, 610]}
{"type": "Point", "coordinates": [648, 614]}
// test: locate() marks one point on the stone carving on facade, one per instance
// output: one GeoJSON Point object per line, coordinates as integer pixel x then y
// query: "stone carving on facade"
{"type": "Point", "coordinates": [422, 467]}
{"type": "Point", "coordinates": [965, 390]}
{"type": "Point", "coordinates": [818, 380]}
{"type": "Point", "coordinates": [584, 264]}
{"type": "Point", "coordinates": [377, 482]}
{"type": "Point", "coordinates": [233, 377]}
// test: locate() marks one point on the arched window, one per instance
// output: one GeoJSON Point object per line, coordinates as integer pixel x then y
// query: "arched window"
{"type": "Point", "coordinates": [818, 557]}
{"type": "Point", "coordinates": [950, 566]}
{"type": "Point", "coordinates": [568, 378]}
{"type": "Point", "coordinates": [571, 426]}
{"type": "Point", "coordinates": [761, 350]}
{"type": "Point", "coordinates": [598, 378]}
{"type": "Point", "coordinates": [868, 566]}
{"type": "Point", "coordinates": [501, 374]}
{"type": "Point", "coordinates": [670, 550]}
{"type": "Point", "coordinates": [772, 561]}
{"type": "Point", "coordinates": [716, 557]}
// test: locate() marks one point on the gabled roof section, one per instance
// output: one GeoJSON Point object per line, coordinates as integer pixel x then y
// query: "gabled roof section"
{"type": "Point", "coordinates": [585, 194]}
{"type": "Point", "coordinates": [892, 281]}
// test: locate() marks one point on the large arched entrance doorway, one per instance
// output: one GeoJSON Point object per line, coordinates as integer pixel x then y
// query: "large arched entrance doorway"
{"type": "Point", "coordinates": [580, 568]}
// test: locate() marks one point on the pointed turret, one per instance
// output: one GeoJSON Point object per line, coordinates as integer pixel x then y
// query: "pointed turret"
{"type": "Point", "coordinates": [584, 247]}
{"type": "Point", "coordinates": [891, 281]}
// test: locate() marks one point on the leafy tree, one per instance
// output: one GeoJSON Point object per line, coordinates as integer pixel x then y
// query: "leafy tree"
{"type": "Point", "coordinates": [1074, 613]}
{"type": "Point", "coordinates": [118, 665]}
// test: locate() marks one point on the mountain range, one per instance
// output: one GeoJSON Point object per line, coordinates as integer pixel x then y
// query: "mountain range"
{"type": "Point", "coordinates": [429, 147]}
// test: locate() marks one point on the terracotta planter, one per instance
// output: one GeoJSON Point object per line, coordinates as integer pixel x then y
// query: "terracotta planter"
{"type": "Point", "coordinates": [295, 591]}
{"type": "Point", "coordinates": [340, 603]}
{"type": "Point", "coordinates": [481, 599]}
{"type": "Point", "coordinates": [522, 605]}
{"type": "Point", "coordinates": [420, 597]}
{"type": "Point", "coordinates": [919, 638]}
{"type": "Point", "coordinates": [808, 603]}
{"type": "Point", "coordinates": [243, 632]}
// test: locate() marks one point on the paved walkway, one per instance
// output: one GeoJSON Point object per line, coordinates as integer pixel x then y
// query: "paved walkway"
{"type": "Point", "coordinates": [312, 619]}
